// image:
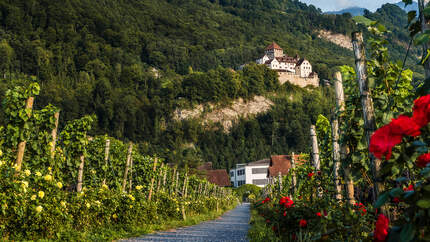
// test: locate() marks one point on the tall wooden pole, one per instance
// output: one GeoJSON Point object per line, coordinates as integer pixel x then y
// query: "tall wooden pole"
{"type": "Point", "coordinates": [315, 149]}
{"type": "Point", "coordinates": [80, 174]}
{"type": "Point", "coordinates": [152, 179]}
{"type": "Point", "coordinates": [127, 165]}
{"type": "Point", "coordinates": [131, 175]}
{"type": "Point", "coordinates": [159, 177]}
{"type": "Point", "coordinates": [293, 166]}
{"type": "Point", "coordinates": [340, 107]}
{"type": "Point", "coordinates": [367, 105]}
{"type": "Point", "coordinates": [21, 145]}
{"type": "Point", "coordinates": [107, 148]}
{"type": "Point", "coordinates": [54, 134]}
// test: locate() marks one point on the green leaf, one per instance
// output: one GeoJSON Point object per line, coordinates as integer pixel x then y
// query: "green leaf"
{"type": "Point", "coordinates": [382, 199]}
{"type": "Point", "coordinates": [408, 194]}
{"type": "Point", "coordinates": [412, 15]}
{"type": "Point", "coordinates": [401, 179]}
{"type": "Point", "coordinates": [424, 203]}
{"type": "Point", "coordinates": [396, 192]}
{"type": "Point", "coordinates": [427, 188]}
{"type": "Point", "coordinates": [426, 11]}
{"type": "Point", "coordinates": [419, 143]}
{"type": "Point", "coordinates": [407, 233]}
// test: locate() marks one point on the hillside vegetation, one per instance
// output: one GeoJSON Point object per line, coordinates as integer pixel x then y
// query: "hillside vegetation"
{"type": "Point", "coordinates": [133, 63]}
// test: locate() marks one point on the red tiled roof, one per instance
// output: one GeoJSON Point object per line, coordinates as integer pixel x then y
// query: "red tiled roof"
{"type": "Point", "coordinates": [273, 46]}
{"type": "Point", "coordinates": [282, 163]}
{"type": "Point", "coordinates": [219, 177]}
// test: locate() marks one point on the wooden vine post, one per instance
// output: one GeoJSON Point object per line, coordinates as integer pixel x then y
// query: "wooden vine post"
{"type": "Point", "coordinates": [127, 166]}
{"type": "Point", "coordinates": [184, 194]}
{"type": "Point", "coordinates": [280, 182]}
{"type": "Point", "coordinates": [176, 183]}
{"type": "Point", "coordinates": [173, 183]}
{"type": "Point", "coordinates": [107, 148]}
{"type": "Point", "coordinates": [159, 177]}
{"type": "Point", "coordinates": [293, 166]}
{"type": "Point", "coordinates": [315, 149]}
{"type": "Point", "coordinates": [80, 174]}
{"type": "Point", "coordinates": [131, 175]}
{"type": "Point", "coordinates": [22, 144]}
{"type": "Point", "coordinates": [340, 107]}
{"type": "Point", "coordinates": [367, 105]}
{"type": "Point", "coordinates": [54, 134]}
{"type": "Point", "coordinates": [152, 179]}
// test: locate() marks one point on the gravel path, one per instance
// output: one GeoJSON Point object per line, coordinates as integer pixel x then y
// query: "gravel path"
{"type": "Point", "coordinates": [232, 226]}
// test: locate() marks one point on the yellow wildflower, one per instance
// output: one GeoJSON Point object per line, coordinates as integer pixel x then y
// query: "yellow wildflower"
{"type": "Point", "coordinates": [98, 203]}
{"type": "Point", "coordinates": [131, 197]}
{"type": "Point", "coordinates": [59, 185]}
{"type": "Point", "coordinates": [114, 216]}
{"type": "Point", "coordinates": [24, 184]}
{"type": "Point", "coordinates": [104, 186]}
{"type": "Point", "coordinates": [33, 197]}
{"type": "Point", "coordinates": [38, 174]}
{"type": "Point", "coordinates": [1, 162]}
{"type": "Point", "coordinates": [139, 187]}
{"type": "Point", "coordinates": [49, 169]}
{"type": "Point", "coordinates": [63, 203]}
{"type": "Point", "coordinates": [27, 172]}
{"type": "Point", "coordinates": [48, 178]}
{"type": "Point", "coordinates": [39, 209]}
{"type": "Point", "coordinates": [41, 194]}
{"type": "Point", "coordinates": [131, 206]}
{"type": "Point", "coordinates": [88, 205]}
{"type": "Point", "coordinates": [177, 209]}
{"type": "Point", "coordinates": [93, 171]}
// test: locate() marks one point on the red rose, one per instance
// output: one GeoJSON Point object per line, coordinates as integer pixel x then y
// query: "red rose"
{"type": "Point", "coordinates": [423, 160]}
{"type": "Point", "coordinates": [383, 141]}
{"type": "Point", "coordinates": [286, 201]}
{"type": "Point", "coordinates": [294, 237]}
{"type": "Point", "coordinates": [404, 125]}
{"type": "Point", "coordinates": [319, 173]}
{"type": "Point", "coordinates": [381, 228]}
{"type": "Point", "coordinates": [421, 114]}
{"type": "Point", "coordinates": [396, 200]}
{"type": "Point", "coordinates": [325, 213]}
{"type": "Point", "coordinates": [285, 213]}
{"type": "Point", "coordinates": [409, 188]}
{"type": "Point", "coordinates": [303, 223]}
{"type": "Point", "coordinates": [274, 228]}
{"type": "Point", "coordinates": [319, 214]}
{"type": "Point", "coordinates": [266, 200]}
{"type": "Point", "coordinates": [310, 174]}
{"type": "Point", "coordinates": [267, 221]}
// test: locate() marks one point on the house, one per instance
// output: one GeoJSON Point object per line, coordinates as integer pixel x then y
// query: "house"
{"type": "Point", "coordinates": [294, 70]}
{"type": "Point", "coordinates": [251, 173]}
{"type": "Point", "coordinates": [281, 165]}
{"type": "Point", "coordinates": [218, 177]}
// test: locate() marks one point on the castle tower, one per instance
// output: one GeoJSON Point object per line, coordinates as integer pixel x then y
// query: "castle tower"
{"type": "Point", "coordinates": [274, 50]}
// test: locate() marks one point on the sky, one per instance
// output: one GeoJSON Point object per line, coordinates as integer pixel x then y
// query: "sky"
{"type": "Point", "coordinates": [333, 5]}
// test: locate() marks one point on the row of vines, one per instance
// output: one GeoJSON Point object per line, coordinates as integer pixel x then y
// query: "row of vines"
{"type": "Point", "coordinates": [369, 176]}
{"type": "Point", "coordinates": [53, 185]}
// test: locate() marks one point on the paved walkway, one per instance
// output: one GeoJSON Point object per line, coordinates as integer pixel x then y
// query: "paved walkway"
{"type": "Point", "coordinates": [232, 226]}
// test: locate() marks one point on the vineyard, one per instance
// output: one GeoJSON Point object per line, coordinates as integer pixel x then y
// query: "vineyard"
{"type": "Point", "coordinates": [368, 178]}
{"type": "Point", "coordinates": [62, 186]}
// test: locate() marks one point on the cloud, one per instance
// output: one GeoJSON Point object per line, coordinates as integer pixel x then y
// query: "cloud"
{"type": "Point", "coordinates": [343, 3]}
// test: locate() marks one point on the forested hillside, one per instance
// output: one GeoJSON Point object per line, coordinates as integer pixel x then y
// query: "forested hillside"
{"type": "Point", "coordinates": [134, 62]}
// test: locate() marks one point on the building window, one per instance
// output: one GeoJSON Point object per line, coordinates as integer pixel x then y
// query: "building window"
{"type": "Point", "coordinates": [259, 170]}
{"type": "Point", "coordinates": [231, 173]}
{"type": "Point", "coordinates": [260, 181]}
{"type": "Point", "coordinates": [240, 183]}
{"type": "Point", "coordinates": [241, 172]}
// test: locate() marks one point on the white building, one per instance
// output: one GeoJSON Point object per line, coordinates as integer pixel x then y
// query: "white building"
{"type": "Point", "coordinates": [251, 173]}
{"type": "Point", "coordinates": [275, 59]}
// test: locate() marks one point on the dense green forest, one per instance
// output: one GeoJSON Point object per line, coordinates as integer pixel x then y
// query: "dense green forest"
{"type": "Point", "coordinates": [133, 63]}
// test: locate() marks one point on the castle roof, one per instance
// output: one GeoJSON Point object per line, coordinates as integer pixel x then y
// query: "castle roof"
{"type": "Point", "coordinates": [286, 59]}
{"type": "Point", "coordinates": [273, 46]}
{"type": "Point", "coordinates": [301, 61]}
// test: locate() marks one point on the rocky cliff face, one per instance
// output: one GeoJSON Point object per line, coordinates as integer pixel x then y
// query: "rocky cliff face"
{"type": "Point", "coordinates": [338, 39]}
{"type": "Point", "coordinates": [226, 115]}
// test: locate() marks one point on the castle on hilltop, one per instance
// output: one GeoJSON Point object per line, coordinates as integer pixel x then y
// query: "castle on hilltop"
{"type": "Point", "coordinates": [294, 70]}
